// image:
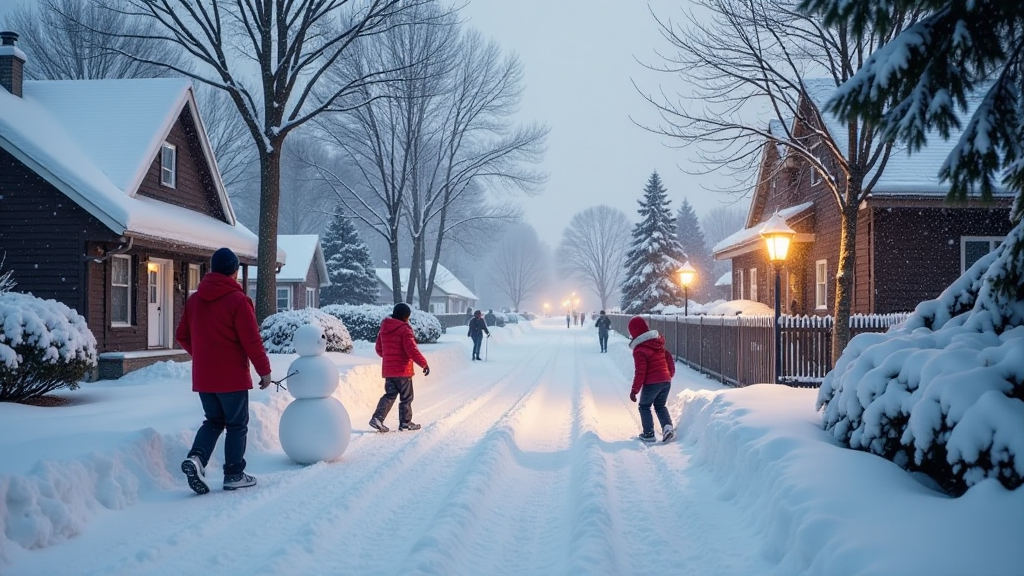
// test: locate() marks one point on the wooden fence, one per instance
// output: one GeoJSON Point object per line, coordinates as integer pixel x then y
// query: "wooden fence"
{"type": "Point", "coordinates": [740, 350]}
{"type": "Point", "coordinates": [452, 320]}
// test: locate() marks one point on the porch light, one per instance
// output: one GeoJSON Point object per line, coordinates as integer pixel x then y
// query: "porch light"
{"type": "Point", "coordinates": [152, 267]}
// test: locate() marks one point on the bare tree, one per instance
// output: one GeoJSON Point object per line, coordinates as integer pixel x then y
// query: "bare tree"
{"type": "Point", "coordinates": [747, 55]}
{"type": "Point", "coordinates": [718, 224]}
{"type": "Point", "coordinates": [270, 57]}
{"type": "Point", "coordinates": [592, 249]}
{"type": "Point", "coordinates": [519, 266]}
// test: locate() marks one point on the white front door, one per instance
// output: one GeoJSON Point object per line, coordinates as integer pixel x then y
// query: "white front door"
{"type": "Point", "coordinates": [159, 310]}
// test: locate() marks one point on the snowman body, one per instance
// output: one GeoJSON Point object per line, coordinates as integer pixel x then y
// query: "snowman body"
{"type": "Point", "coordinates": [315, 426]}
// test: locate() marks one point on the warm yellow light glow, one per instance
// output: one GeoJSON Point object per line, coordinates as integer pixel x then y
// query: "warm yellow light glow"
{"type": "Point", "coordinates": [152, 267]}
{"type": "Point", "coordinates": [777, 236]}
{"type": "Point", "coordinates": [686, 274]}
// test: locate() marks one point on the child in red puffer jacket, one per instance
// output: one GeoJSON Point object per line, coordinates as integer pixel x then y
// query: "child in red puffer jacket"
{"type": "Point", "coordinates": [396, 345]}
{"type": "Point", "coordinates": [654, 368]}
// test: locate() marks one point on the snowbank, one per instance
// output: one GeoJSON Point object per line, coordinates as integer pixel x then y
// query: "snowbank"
{"type": "Point", "coordinates": [823, 509]}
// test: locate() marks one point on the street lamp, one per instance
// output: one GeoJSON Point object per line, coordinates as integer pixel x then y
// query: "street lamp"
{"type": "Point", "coordinates": [777, 236]}
{"type": "Point", "coordinates": [686, 275]}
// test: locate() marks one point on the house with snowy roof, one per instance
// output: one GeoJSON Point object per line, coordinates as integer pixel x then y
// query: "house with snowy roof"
{"type": "Point", "coordinates": [911, 242]}
{"type": "Point", "coordinates": [450, 295]}
{"type": "Point", "coordinates": [112, 203]}
{"type": "Point", "coordinates": [299, 280]}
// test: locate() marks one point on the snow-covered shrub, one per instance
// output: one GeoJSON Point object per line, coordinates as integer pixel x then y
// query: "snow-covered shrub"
{"type": "Point", "coordinates": [944, 392]}
{"type": "Point", "coordinates": [364, 321]}
{"type": "Point", "coordinates": [44, 346]}
{"type": "Point", "coordinates": [277, 330]}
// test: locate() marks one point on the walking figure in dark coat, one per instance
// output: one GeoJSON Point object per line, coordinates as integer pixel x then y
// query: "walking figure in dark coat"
{"type": "Point", "coordinates": [490, 318]}
{"type": "Point", "coordinates": [568, 320]}
{"type": "Point", "coordinates": [604, 324]}
{"type": "Point", "coordinates": [477, 329]}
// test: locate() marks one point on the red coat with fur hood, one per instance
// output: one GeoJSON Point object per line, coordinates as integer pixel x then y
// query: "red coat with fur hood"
{"type": "Point", "coordinates": [396, 344]}
{"type": "Point", "coordinates": [652, 363]}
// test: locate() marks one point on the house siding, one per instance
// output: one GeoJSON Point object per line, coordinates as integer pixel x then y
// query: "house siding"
{"type": "Point", "coordinates": [194, 188]}
{"type": "Point", "coordinates": [917, 250]}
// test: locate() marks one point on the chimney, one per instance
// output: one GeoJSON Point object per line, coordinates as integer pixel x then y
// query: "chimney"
{"type": "Point", "coordinates": [12, 63]}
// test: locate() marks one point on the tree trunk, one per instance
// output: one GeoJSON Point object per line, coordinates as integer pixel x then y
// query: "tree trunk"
{"type": "Point", "coordinates": [414, 267]}
{"type": "Point", "coordinates": [844, 280]}
{"type": "Point", "coordinates": [266, 259]}
{"type": "Point", "coordinates": [396, 276]}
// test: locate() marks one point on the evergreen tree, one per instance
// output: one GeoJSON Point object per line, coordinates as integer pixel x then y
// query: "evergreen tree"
{"type": "Point", "coordinates": [654, 256]}
{"type": "Point", "coordinates": [349, 265]}
{"type": "Point", "coordinates": [695, 246]}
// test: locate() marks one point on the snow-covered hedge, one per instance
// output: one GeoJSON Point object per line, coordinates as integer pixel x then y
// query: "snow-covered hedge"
{"type": "Point", "coordinates": [277, 330]}
{"type": "Point", "coordinates": [944, 393]}
{"type": "Point", "coordinates": [44, 346]}
{"type": "Point", "coordinates": [364, 321]}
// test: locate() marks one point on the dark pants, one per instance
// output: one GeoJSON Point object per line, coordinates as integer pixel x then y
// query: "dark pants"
{"type": "Point", "coordinates": [396, 388]}
{"type": "Point", "coordinates": [477, 339]}
{"type": "Point", "coordinates": [602, 337]}
{"type": "Point", "coordinates": [223, 410]}
{"type": "Point", "coordinates": [656, 395]}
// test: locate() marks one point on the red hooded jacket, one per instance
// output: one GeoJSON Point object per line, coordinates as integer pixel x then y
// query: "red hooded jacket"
{"type": "Point", "coordinates": [652, 363]}
{"type": "Point", "coordinates": [396, 344]}
{"type": "Point", "coordinates": [218, 328]}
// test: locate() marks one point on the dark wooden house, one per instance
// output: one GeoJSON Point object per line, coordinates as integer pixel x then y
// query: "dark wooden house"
{"type": "Point", "coordinates": [911, 243]}
{"type": "Point", "coordinates": [111, 202]}
{"type": "Point", "coordinates": [302, 275]}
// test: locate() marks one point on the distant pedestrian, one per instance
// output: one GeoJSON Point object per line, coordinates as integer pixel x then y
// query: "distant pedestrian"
{"type": "Point", "coordinates": [604, 324]}
{"type": "Point", "coordinates": [568, 320]}
{"type": "Point", "coordinates": [654, 368]}
{"type": "Point", "coordinates": [477, 329]}
{"type": "Point", "coordinates": [396, 345]}
{"type": "Point", "coordinates": [218, 328]}
{"type": "Point", "coordinates": [490, 318]}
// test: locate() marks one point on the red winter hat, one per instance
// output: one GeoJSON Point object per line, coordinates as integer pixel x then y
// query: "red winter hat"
{"type": "Point", "coordinates": [637, 326]}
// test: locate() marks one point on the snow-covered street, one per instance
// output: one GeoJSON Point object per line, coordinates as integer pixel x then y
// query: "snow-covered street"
{"type": "Point", "coordinates": [526, 464]}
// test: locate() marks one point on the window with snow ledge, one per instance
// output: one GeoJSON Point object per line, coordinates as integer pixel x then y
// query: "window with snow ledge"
{"type": "Point", "coordinates": [310, 298]}
{"type": "Point", "coordinates": [820, 284]}
{"type": "Point", "coordinates": [753, 284]}
{"type": "Point", "coordinates": [168, 165]}
{"type": "Point", "coordinates": [284, 298]}
{"type": "Point", "coordinates": [120, 290]}
{"type": "Point", "coordinates": [973, 248]}
{"type": "Point", "coordinates": [193, 278]}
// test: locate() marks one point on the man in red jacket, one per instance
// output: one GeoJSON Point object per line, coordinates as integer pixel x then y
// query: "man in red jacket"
{"type": "Point", "coordinates": [396, 344]}
{"type": "Point", "coordinates": [654, 368]}
{"type": "Point", "coordinates": [218, 328]}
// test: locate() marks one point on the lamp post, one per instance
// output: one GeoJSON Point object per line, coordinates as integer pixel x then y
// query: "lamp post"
{"type": "Point", "coordinates": [686, 275]}
{"type": "Point", "coordinates": [777, 236]}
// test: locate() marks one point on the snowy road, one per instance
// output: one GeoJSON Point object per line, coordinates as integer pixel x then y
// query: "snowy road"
{"type": "Point", "coordinates": [525, 464]}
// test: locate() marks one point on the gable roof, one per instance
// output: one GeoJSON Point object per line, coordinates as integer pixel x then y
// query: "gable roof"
{"type": "Point", "coordinates": [94, 140]}
{"type": "Point", "coordinates": [303, 250]}
{"type": "Point", "coordinates": [905, 173]}
{"type": "Point", "coordinates": [749, 239]}
{"type": "Point", "coordinates": [444, 281]}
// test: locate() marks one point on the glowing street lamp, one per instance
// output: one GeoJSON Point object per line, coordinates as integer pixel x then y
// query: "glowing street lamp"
{"type": "Point", "coordinates": [686, 275]}
{"type": "Point", "coordinates": [777, 236]}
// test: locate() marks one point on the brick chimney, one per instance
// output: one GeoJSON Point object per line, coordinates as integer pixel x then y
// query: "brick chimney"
{"type": "Point", "coordinates": [12, 63]}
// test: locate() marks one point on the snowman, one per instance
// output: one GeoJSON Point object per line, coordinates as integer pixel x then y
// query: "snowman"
{"type": "Point", "coordinates": [316, 425]}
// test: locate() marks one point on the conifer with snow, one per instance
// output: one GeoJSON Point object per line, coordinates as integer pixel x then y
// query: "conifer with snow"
{"type": "Point", "coordinates": [654, 255]}
{"type": "Point", "coordinates": [349, 265]}
{"type": "Point", "coordinates": [691, 239]}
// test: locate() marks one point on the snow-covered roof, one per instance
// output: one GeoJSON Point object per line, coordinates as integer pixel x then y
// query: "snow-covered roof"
{"type": "Point", "coordinates": [444, 281]}
{"type": "Point", "coordinates": [724, 280]}
{"type": "Point", "coordinates": [904, 174]}
{"type": "Point", "coordinates": [753, 234]}
{"type": "Point", "coordinates": [94, 140]}
{"type": "Point", "coordinates": [301, 250]}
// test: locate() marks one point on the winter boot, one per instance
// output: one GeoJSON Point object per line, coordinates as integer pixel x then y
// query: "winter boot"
{"type": "Point", "coordinates": [668, 433]}
{"type": "Point", "coordinates": [193, 469]}
{"type": "Point", "coordinates": [377, 425]}
{"type": "Point", "coordinates": [408, 426]}
{"type": "Point", "coordinates": [240, 480]}
{"type": "Point", "coordinates": [647, 437]}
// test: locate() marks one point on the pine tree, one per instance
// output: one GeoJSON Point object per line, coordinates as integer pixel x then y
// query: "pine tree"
{"type": "Point", "coordinates": [654, 255]}
{"type": "Point", "coordinates": [349, 265]}
{"type": "Point", "coordinates": [693, 243]}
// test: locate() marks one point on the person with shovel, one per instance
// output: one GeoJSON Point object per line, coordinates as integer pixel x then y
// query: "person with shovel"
{"type": "Point", "coordinates": [477, 329]}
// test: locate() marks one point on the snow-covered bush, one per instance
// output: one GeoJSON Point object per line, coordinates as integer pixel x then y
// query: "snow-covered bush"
{"type": "Point", "coordinates": [44, 346]}
{"type": "Point", "coordinates": [277, 330]}
{"type": "Point", "coordinates": [364, 321]}
{"type": "Point", "coordinates": [944, 392]}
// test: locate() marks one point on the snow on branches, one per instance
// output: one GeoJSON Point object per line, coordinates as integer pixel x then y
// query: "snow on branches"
{"type": "Point", "coordinates": [654, 255]}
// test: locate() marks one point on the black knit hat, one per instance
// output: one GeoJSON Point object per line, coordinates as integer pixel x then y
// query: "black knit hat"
{"type": "Point", "coordinates": [401, 311]}
{"type": "Point", "coordinates": [224, 262]}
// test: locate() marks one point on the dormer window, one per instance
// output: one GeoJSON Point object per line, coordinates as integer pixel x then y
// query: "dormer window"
{"type": "Point", "coordinates": [168, 165]}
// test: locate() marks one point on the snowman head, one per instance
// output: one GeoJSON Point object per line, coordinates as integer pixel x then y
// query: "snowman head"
{"type": "Point", "coordinates": [309, 340]}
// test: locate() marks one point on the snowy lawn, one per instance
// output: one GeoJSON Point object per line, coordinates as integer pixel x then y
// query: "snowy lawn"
{"type": "Point", "coordinates": [526, 464]}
